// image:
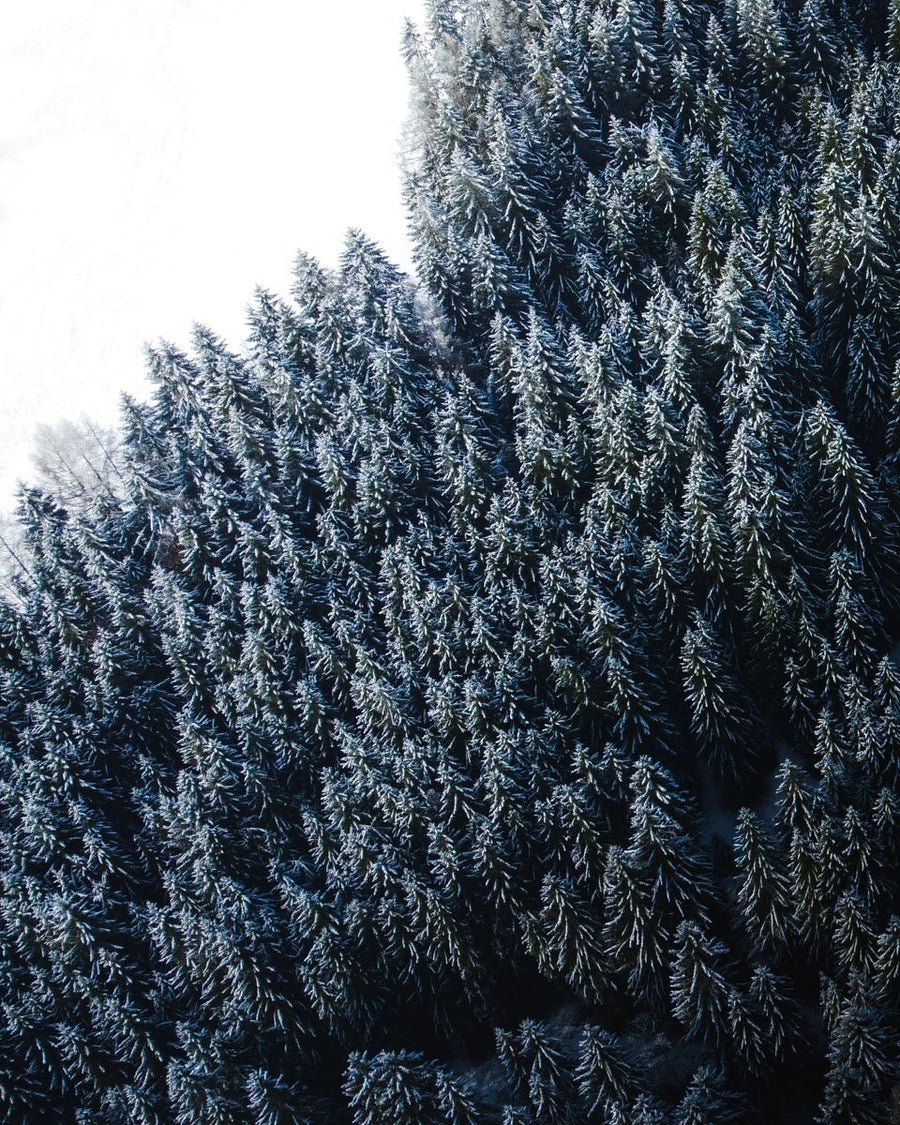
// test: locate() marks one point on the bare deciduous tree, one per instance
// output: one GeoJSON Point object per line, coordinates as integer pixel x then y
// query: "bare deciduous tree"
{"type": "Point", "coordinates": [76, 461]}
{"type": "Point", "coordinates": [73, 461]}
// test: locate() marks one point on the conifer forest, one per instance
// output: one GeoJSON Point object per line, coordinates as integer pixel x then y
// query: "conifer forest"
{"type": "Point", "coordinates": [481, 703]}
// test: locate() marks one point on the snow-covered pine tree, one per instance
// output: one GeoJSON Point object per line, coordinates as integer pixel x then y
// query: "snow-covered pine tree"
{"type": "Point", "coordinates": [509, 645]}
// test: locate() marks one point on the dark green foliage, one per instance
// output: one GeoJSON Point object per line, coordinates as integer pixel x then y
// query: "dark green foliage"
{"type": "Point", "coordinates": [764, 889]}
{"type": "Point", "coordinates": [606, 1078]}
{"type": "Point", "coordinates": [508, 648]}
{"type": "Point", "coordinates": [709, 1101]}
{"type": "Point", "coordinates": [702, 997]}
{"type": "Point", "coordinates": [399, 1088]}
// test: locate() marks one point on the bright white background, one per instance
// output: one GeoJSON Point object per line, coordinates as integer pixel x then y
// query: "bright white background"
{"type": "Point", "coordinates": [161, 158]}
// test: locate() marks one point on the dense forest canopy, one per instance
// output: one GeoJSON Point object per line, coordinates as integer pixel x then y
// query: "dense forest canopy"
{"type": "Point", "coordinates": [477, 704]}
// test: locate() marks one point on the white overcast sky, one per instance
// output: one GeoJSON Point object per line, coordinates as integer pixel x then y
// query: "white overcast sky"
{"type": "Point", "coordinates": [161, 158]}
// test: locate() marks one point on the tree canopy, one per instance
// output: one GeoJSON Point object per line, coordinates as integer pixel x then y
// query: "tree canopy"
{"type": "Point", "coordinates": [477, 702]}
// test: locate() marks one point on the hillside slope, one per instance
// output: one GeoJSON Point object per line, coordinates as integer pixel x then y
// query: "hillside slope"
{"type": "Point", "coordinates": [480, 706]}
